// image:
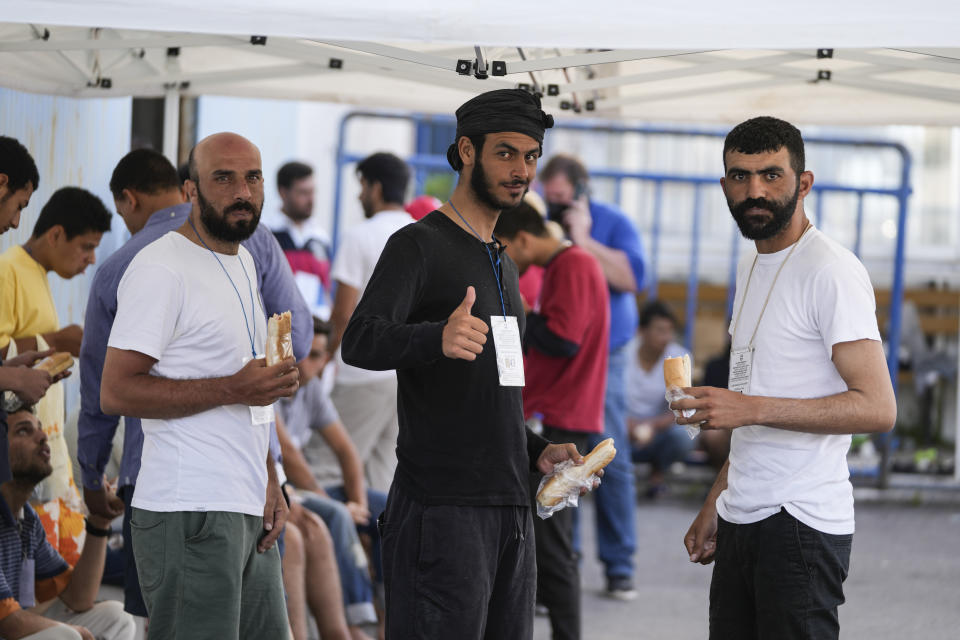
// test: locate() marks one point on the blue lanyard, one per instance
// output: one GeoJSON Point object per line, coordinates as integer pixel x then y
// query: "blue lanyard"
{"type": "Point", "coordinates": [253, 308]}
{"type": "Point", "coordinates": [494, 265]}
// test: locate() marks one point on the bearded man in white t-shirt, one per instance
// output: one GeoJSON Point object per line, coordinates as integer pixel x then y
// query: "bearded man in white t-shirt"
{"type": "Point", "coordinates": [185, 354]}
{"type": "Point", "coordinates": [365, 400]}
{"type": "Point", "coordinates": [807, 370]}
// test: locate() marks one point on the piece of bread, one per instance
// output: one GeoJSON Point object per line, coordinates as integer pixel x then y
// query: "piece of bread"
{"type": "Point", "coordinates": [56, 363]}
{"type": "Point", "coordinates": [279, 341]}
{"type": "Point", "coordinates": [559, 486]}
{"type": "Point", "coordinates": [676, 372]}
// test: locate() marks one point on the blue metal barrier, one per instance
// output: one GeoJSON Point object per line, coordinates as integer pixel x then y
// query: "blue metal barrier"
{"type": "Point", "coordinates": [424, 162]}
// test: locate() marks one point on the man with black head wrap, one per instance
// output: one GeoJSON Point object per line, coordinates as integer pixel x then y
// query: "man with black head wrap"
{"type": "Point", "coordinates": [457, 534]}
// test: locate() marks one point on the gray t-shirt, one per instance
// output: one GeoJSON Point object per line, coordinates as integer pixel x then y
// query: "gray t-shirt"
{"type": "Point", "coordinates": [309, 411]}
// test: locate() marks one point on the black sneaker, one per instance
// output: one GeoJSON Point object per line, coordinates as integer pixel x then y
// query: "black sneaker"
{"type": "Point", "coordinates": [620, 588]}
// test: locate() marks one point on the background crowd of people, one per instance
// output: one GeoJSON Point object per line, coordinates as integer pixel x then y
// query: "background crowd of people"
{"type": "Point", "coordinates": [174, 352]}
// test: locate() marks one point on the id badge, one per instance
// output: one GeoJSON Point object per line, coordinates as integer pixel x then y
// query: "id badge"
{"type": "Point", "coordinates": [741, 368]}
{"type": "Point", "coordinates": [28, 579]}
{"type": "Point", "coordinates": [509, 349]}
{"type": "Point", "coordinates": [259, 415]}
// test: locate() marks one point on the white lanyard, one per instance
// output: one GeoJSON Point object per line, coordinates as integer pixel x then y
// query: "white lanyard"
{"type": "Point", "coordinates": [741, 358]}
{"type": "Point", "coordinates": [736, 324]}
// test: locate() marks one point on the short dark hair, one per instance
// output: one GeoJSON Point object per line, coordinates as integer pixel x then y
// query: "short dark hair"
{"type": "Point", "coordinates": [522, 217]}
{"type": "Point", "coordinates": [567, 165]}
{"type": "Point", "coordinates": [76, 210]}
{"type": "Point", "coordinates": [183, 172]}
{"type": "Point", "coordinates": [145, 171]}
{"type": "Point", "coordinates": [763, 134]}
{"type": "Point", "coordinates": [17, 164]}
{"type": "Point", "coordinates": [321, 327]}
{"type": "Point", "coordinates": [453, 151]}
{"type": "Point", "coordinates": [656, 309]}
{"type": "Point", "coordinates": [291, 172]}
{"type": "Point", "coordinates": [391, 172]}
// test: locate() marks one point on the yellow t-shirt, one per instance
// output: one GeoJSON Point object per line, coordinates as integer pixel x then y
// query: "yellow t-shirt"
{"type": "Point", "coordinates": [27, 310]}
{"type": "Point", "coordinates": [26, 303]}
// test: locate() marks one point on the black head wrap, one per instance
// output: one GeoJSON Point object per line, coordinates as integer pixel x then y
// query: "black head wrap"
{"type": "Point", "coordinates": [496, 111]}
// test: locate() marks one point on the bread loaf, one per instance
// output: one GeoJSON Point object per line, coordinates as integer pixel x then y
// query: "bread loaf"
{"type": "Point", "coordinates": [676, 372]}
{"type": "Point", "coordinates": [56, 363]}
{"type": "Point", "coordinates": [561, 484]}
{"type": "Point", "coordinates": [279, 341]}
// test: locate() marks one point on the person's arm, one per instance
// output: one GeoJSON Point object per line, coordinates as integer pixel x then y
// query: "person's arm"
{"type": "Point", "coordinates": [539, 336]}
{"type": "Point", "coordinates": [867, 406]}
{"type": "Point", "coordinates": [275, 509]}
{"type": "Point", "coordinates": [29, 384]}
{"type": "Point", "coordinates": [67, 339]}
{"type": "Point", "coordinates": [20, 624]}
{"type": "Point", "coordinates": [378, 336]}
{"type": "Point", "coordinates": [81, 592]}
{"type": "Point", "coordinates": [344, 302]}
{"type": "Point", "coordinates": [701, 538]}
{"type": "Point", "coordinates": [351, 467]}
{"type": "Point", "coordinates": [619, 266]}
{"type": "Point", "coordinates": [95, 429]}
{"type": "Point", "coordinates": [279, 289]}
{"type": "Point", "coordinates": [16, 623]}
{"type": "Point", "coordinates": [130, 389]}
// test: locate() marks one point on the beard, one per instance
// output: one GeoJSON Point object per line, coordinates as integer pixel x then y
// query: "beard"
{"type": "Point", "coordinates": [481, 187]}
{"type": "Point", "coordinates": [298, 215]}
{"type": "Point", "coordinates": [32, 474]}
{"type": "Point", "coordinates": [781, 210]}
{"type": "Point", "coordinates": [216, 223]}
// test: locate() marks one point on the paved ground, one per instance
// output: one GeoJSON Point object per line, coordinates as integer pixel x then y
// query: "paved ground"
{"type": "Point", "coordinates": [904, 579]}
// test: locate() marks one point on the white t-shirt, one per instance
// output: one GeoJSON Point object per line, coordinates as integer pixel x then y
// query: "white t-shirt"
{"type": "Point", "coordinates": [356, 258]}
{"type": "Point", "coordinates": [175, 304]}
{"type": "Point", "coordinates": [645, 389]}
{"type": "Point", "coordinates": [823, 297]}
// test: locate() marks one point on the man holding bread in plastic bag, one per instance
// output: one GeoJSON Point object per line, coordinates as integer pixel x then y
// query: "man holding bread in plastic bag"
{"type": "Point", "coordinates": [443, 308]}
{"type": "Point", "coordinates": [807, 369]}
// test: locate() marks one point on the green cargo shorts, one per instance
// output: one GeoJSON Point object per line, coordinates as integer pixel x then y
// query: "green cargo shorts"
{"type": "Point", "coordinates": [202, 577]}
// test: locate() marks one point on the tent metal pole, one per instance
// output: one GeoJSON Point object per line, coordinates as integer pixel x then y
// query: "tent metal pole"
{"type": "Point", "coordinates": [653, 281]}
{"type": "Point", "coordinates": [693, 280]}
{"type": "Point", "coordinates": [171, 125]}
{"type": "Point", "coordinates": [896, 301]}
{"type": "Point", "coordinates": [858, 242]}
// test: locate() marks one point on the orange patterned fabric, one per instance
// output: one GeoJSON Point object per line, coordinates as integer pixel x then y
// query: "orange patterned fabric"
{"type": "Point", "coordinates": [64, 528]}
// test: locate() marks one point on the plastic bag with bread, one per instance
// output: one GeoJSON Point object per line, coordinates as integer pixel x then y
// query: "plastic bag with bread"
{"type": "Point", "coordinates": [677, 376]}
{"type": "Point", "coordinates": [279, 339]}
{"type": "Point", "coordinates": [54, 364]}
{"type": "Point", "coordinates": [561, 488]}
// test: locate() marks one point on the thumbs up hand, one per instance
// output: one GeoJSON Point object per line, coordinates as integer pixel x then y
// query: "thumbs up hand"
{"type": "Point", "coordinates": [464, 335]}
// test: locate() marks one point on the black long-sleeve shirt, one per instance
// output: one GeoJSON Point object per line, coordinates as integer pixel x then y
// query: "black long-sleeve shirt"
{"type": "Point", "coordinates": [462, 436]}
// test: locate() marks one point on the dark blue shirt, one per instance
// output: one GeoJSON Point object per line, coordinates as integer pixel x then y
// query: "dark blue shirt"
{"type": "Point", "coordinates": [95, 429]}
{"type": "Point", "coordinates": [20, 541]}
{"type": "Point", "coordinates": [612, 228]}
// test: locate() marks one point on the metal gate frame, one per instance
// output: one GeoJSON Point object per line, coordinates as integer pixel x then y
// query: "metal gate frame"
{"type": "Point", "coordinates": [422, 163]}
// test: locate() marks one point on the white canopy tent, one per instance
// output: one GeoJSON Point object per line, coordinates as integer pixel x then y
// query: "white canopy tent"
{"type": "Point", "coordinates": [816, 63]}
{"type": "Point", "coordinates": [820, 62]}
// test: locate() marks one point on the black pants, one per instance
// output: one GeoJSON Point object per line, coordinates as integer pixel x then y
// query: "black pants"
{"type": "Point", "coordinates": [132, 597]}
{"type": "Point", "coordinates": [777, 579]}
{"type": "Point", "coordinates": [558, 572]}
{"type": "Point", "coordinates": [453, 571]}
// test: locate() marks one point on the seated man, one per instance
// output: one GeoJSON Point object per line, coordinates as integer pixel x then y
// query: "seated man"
{"type": "Point", "coordinates": [311, 579]}
{"type": "Point", "coordinates": [655, 436]}
{"type": "Point", "coordinates": [32, 572]}
{"type": "Point", "coordinates": [307, 414]}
